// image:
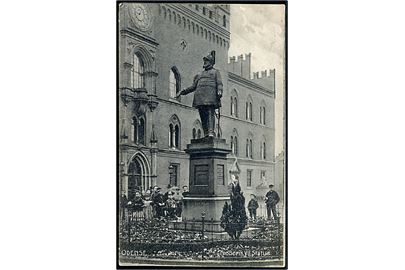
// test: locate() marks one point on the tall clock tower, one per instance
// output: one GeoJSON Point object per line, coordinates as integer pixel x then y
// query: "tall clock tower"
{"type": "Point", "coordinates": [137, 97]}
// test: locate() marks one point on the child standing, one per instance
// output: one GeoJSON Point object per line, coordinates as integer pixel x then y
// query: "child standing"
{"type": "Point", "coordinates": [252, 206]}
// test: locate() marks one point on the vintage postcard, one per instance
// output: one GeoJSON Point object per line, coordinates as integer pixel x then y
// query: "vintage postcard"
{"type": "Point", "coordinates": [201, 160]}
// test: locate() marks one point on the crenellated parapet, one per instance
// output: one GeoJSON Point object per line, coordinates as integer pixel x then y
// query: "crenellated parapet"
{"type": "Point", "coordinates": [266, 78]}
{"type": "Point", "coordinates": [240, 65]}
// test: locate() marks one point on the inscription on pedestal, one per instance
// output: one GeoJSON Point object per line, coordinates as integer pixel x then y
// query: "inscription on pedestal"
{"type": "Point", "coordinates": [201, 175]}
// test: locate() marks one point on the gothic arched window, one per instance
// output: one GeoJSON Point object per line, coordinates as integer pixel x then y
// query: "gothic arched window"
{"type": "Point", "coordinates": [232, 112]}
{"type": "Point", "coordinates": [264, 150]}
{"type": "Point", "coordinates": [234, 103]}
{"type": "Point", "coordinates": [174, 132]}
{"type": "Point", "coordinates": [197, 128]}
{"type": "Point", "coordinates": [234, 142]}
{"type": "Point", "coordinates": [174, 82]}
{"type": "Point", "coordinates": [138, 72]}
{"type": "Point", "coordinates": [138, 130]}
{"type": "Point", "coordinates": [263, 113]}
{"type": "Point", "coordinates": [249, 146]}
{"type": "Point", "coordinates": [249, 109]}
{"type": "Point", "coordinates": [141, 131]}
{"type": "Point", "coordinates": [232, 145]}
{"type": "Point", "coordinates": [134, 130]}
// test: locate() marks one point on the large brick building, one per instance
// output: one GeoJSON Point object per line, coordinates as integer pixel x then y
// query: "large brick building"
{"type": "Point", "coordinates": [160, 51]}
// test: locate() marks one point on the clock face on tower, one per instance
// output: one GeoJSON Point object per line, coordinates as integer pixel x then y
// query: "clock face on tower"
{"type": "Point", "coordinates": [141, 16]}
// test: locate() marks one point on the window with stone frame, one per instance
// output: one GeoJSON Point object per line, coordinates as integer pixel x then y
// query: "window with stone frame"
{"type": "Point", "coordinates": [174, 170]}
{"type": "Point", "coordinates": [232, 112]}
{"type": "Point", "coordinates": [174, 82]}
{"type": "Point", "coordinates": [234, 103]}
{"type": "Point", "coordinates": [235, 145]}
{"type": "Point", "coordinates": [134, 130]}
{"type": "Point", "coordinates": [249, 109]}
{"type": "Point", "coordinates": [249, 178]}
{"type": "Point", "coordinates": [197, 129]}
{"type": "Point", "coordinates": [251, 148]}
{"type": "Point", "coordinates": [232, 146]}
{"type": "Point", "coordinates": [234, 142]}
{"type": "Point", "coordinates": [174, 132]}
{"type": "Point", "coordinates": [138, 130]}
{"type": "Point", "coordinates": [138, 69]}
{"type": "Point", "coordinates": [263, 113]}
{"type": "Point", "coordinates": [141, 131]}
{"type": "Point", "coordinates": [264, 150]}
{"type": "Point", "coordinates": [247, 148]}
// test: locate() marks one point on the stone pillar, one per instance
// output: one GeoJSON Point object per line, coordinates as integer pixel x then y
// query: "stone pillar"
{"type": "Point", "coordinates": [207, 179]}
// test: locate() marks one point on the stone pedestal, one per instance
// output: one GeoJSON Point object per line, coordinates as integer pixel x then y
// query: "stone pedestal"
{"type": "Point", "coordinates": [207, 179]}
{"type": "Point", "coordinates": [211, 206]}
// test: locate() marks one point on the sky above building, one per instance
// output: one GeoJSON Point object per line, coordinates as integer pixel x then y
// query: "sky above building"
{"type": "Point", "coordinates": [260, 30]}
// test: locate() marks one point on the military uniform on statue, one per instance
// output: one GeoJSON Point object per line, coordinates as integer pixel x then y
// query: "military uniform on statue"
{"type": "Point", "coordinates": [208, 155]}
{"type": "Point", "coordinates": [208, 90]}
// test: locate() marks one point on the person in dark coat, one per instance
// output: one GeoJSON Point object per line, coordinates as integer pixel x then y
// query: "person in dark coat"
{"type": "Point", "coordinates": [271, 200]}
{"type": "Point", "coordinates": [171, 205]}
{"type": "Point", "coordinates": [166, 196]}
{"type": "Point", "coordinates": [159, 203]}
{"type": "Point", "coordinates": [123, 205]}
{"type": "Point", "coordinates": [252, 206]}
{"type": "Point", "coordinates": [137, 202]}
{"type": "Point", "coordinates": [208, 89]}
{"type": "Point", "coordinates": [137, 205]}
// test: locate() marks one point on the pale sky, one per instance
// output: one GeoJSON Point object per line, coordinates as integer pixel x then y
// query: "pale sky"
{"type": "Point", "coordinates": [259, 29]}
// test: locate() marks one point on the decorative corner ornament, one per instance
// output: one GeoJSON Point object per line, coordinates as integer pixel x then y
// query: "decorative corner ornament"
{"type": "Point", "coordinates": [141, 16]}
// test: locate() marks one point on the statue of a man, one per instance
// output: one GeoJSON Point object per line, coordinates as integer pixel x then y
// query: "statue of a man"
{"type": "Point", "coordinates": [208, 89]}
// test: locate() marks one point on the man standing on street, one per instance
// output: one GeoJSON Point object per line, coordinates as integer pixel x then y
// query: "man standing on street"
{"type": "Point", "coordinates": [271, 200]}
